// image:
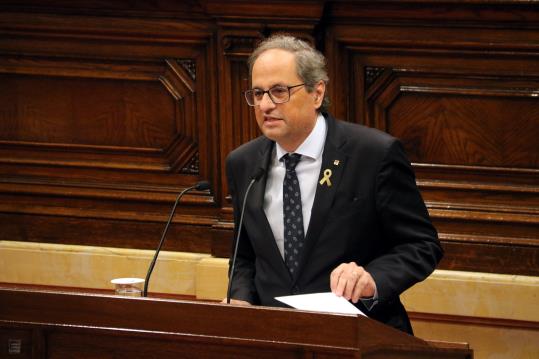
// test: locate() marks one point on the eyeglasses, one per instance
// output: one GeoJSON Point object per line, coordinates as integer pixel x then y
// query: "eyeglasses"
{"type": "Point", "coordinates": [277, 94]}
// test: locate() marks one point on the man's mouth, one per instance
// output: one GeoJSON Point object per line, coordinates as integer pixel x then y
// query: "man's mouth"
{"type": "Point", "coordinates": [271, 119]}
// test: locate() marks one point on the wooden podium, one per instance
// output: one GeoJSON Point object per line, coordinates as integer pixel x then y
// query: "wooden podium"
{"type": "Point", "coordinates": [54, 324]}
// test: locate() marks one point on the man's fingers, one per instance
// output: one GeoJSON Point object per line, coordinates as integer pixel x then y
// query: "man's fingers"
{"type": "Point", "coordinates": [350, 278]}
{"type": "Point", "coordinates": [343, 279]}
{"type": "Point", "coordinates": [365, 287]}
{"type": "Point", "coordinates": [335, 278]}
{"type": "Point", "coordinates": [351, 282]}
{"type": "Point", "coordinates": [359, 289]}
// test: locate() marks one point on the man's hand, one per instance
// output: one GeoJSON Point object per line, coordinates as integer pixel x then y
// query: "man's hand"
{"type": "Point", "coordinates": [352, 282]}
{"type": "Point", "coordinates": [236, 302]}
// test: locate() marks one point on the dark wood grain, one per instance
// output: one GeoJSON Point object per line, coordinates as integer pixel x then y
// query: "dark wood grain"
{"type": "Point", "coordinates": [97, 326]}
{"type": "Point", "coordinates": [457, 84]}
{"type": "Point", "coordinates": [109, 109]}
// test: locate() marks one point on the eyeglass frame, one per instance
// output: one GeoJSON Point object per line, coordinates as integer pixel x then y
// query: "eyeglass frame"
{"type": "Point", "coordinates": [269, 94]}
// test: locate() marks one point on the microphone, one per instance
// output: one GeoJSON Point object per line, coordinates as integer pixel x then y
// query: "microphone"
{"type": "Point", "coordinates": [258, 173]}
{"type": "Point", "coordinates": [200, 186]}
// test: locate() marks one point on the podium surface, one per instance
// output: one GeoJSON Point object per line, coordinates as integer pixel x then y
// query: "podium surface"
{"type": "Point", "coordinates": [55, 324]}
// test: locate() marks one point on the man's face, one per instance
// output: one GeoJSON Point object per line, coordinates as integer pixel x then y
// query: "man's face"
{"type": "Point", "coordinates": [286, 123]}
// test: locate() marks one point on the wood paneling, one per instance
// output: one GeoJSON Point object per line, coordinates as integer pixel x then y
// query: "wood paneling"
{"type": "Point", "coordinates": [108, 110]}
{"type": "Point", "coordinates": [87, 112]}
{"type": "Point", "coordinates": [458, 85]}
{"type": "Point", "coordinates": [105, 116]}
{"type": "Point", "coordinates": [485, 127]}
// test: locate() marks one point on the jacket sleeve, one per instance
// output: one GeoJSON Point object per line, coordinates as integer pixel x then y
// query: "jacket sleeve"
{"type": "Point", "coordinates": [413, 249]}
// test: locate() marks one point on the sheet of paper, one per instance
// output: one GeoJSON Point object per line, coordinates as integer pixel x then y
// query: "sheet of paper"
{"type": "Point", "coordinates": [320, 302]}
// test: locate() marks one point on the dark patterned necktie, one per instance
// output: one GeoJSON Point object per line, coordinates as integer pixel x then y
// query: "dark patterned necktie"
{"type": "Point", "coordinates": [293, 217]}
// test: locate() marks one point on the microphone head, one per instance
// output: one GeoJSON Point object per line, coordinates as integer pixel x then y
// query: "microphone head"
{"type": "Point", "coordinates": [202, 186]}
{"type": "Point", "coordinates": [258, 173]}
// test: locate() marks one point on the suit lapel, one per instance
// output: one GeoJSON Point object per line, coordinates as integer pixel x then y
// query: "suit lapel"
{"type": "Point", "coordinates": [255, 202]}
{"type": "Point", "coordinates": [333, 164]}
{"type": "Point", "coordinates": [256, 198]}
{"type": "Point", "coordinates": [255, 206]}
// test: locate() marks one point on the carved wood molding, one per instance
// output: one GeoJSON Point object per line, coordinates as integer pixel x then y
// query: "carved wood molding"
{"type": "Point", "coordinates": [239, 45]}
{"type": "Point", "coordinates": [297, 11]}
{"type": "Point", "coordinates": [179, 79]}
{"type": "Point", "coordinates": [502, 13]}
{"type": "Point", "coordinates": [372, 74]}
{"type": "Point", "coordinates": [433, 121]}
{"type": "Point", "coordinates": [180, 154]}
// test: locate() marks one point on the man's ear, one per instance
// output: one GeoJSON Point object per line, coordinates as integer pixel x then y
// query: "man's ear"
{"type": "Point", "coordinates": [319, 91]}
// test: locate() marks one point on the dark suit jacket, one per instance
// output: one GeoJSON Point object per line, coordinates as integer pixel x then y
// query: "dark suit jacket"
{"type": "Point", "coordinates": [372, 214]}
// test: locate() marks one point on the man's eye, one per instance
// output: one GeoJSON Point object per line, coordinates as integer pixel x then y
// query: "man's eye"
{"type": "Point", "coordinates": [279, 91]}
{"type": "Point", "coordinates": [258, 93]}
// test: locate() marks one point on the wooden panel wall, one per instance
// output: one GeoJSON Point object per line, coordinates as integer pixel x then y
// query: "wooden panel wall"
{"type": "Point", "coordinates": [458, 84]}
{"type": "Point", "coordinates": [106, 113]}
{"type": "Point", "coordinates": [108, 110]}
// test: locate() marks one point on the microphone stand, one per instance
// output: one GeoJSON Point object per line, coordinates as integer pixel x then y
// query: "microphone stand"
{"type": "Point", "coordinates": [200, 186]}
{"type": "Point", "coordinates": [255, 177]}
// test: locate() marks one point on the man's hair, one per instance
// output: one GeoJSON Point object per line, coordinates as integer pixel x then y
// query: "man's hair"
{"type": "Point", "coordinates": [310, 63]}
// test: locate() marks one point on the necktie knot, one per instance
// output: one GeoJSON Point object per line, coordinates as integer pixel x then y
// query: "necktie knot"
{"type": "Point", "coordinates": [291, 160]}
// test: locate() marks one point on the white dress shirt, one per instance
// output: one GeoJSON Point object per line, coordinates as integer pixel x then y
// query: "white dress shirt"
{"type": "Point", "coordinates": [307, 171]}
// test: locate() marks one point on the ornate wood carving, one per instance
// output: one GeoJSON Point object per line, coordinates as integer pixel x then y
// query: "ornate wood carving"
{"type": "Point", "coordinates": [239, 45]}
{"type": "Point", "coordinates": [190, 66]}
{"type": "Point", "coordinates": [371, 74]}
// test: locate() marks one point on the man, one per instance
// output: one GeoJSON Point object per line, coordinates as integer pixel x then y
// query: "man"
{"type": "Point", "coordinates": [337, 208]}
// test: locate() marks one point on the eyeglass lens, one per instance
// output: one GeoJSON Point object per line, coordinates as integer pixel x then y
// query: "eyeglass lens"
{"type": "Point", "coordinates": [277, 94]}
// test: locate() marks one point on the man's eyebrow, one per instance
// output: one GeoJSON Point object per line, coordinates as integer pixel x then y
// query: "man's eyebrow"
{"type": "Point", "coordinates": [280, 84]}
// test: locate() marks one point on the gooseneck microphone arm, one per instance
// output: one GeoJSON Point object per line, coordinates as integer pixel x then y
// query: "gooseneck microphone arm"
{"type": "Point", "coordinates": [255, 177]}
{"type": "Point", "coordinates": [200, 186]}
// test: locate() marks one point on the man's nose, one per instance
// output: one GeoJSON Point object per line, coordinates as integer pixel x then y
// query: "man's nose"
{"type": "Point", "coordinates": [266, 103]}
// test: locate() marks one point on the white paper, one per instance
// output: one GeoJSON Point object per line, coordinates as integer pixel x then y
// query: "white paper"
{"type": "Point", "coordinates": [320, 302]}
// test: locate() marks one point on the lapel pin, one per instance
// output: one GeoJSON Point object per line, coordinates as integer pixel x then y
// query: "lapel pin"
{"type": "Point", "coordinates": [336, 162]}
{"type": "Point", "coordinates": [325, 179]}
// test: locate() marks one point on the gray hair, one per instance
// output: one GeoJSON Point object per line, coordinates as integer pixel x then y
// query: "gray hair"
{"type": "Point", "coordinates": [310, 63]}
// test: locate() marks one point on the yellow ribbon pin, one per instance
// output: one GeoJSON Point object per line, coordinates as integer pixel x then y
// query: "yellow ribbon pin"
{"type": "Point", "coordinates": [325, 179]}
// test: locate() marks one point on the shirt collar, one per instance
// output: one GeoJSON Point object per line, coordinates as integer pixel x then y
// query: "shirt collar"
{"type": "Point", "coordinates": [313, 145]}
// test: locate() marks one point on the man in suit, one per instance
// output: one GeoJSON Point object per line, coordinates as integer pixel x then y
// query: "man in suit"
{"type": "Point", "coordinates": [337, 207]}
